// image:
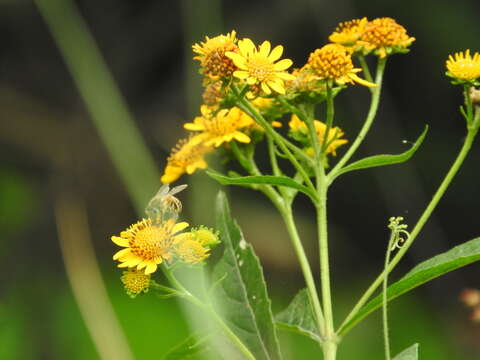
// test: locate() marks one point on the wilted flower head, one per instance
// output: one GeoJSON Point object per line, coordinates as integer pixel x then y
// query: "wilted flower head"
{"type": "Point", "coordinates": [211, 54]}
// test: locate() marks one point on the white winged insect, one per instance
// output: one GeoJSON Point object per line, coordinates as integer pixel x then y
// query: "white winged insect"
{"type": "Point", "coordinates": [164, 206]}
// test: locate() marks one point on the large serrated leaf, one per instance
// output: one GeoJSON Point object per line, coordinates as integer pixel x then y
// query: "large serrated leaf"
{"type": "Point", "coordinates": [299, 317]}
{"type": "Point", "coordinates": [187, 349]}
{"type": "Point", "coordinates": [441, 264]}
{"type": "Point", "coordinates": [382, 160]}
{"type": "Point", "coordinates": [262, 180]}
{"type": "Point", "coordinates": [241, 292]}
{"type": "Point", "coordinates": [410, 353]}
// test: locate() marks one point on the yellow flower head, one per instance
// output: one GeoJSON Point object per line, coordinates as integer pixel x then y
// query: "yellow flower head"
{"type": "Point", "coordinates": [135, 282]}
{"type": "Point", "coordinates": [333, 62]}
{"type": "Point", "coordinates": [147, 245]}
{"type": "Point", "coordinates": [348, 33]}
{"type": "Point", "coordinates": [193, 247]}
{"type": "Point", "coordinates": [211, 54]}
{"type": "Point", "coordinates": [186, 157]}
{"type": "Point", "coordinates": [224, 126]}
{"type": "Point", "coordinates": [463, 66]}
{"type": "Point", "coordinates": [298, 127]}
{"type": "Point", "coordinates": [260, 66]}
{"type": "Point", "coordinates": [384, 36]}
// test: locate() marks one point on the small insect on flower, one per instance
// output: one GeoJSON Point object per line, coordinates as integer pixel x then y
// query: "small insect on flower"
{"type": "Point", "coordinates": [164, 206]}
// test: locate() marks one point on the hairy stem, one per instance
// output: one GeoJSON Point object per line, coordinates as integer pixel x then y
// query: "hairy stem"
{"type": "Point", "coordinates": [368, 121]}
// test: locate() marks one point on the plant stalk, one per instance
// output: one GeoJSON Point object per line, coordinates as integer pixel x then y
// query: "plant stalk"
{"type": "Point", "coordinates": [472, 132]}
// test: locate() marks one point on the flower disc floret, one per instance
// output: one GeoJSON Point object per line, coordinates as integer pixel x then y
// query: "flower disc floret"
{"type": "Point", "coordinates": [147, 245]}
{"type": "Point", "coordinates": [135, 282]}
{"type": "Point", "coordinates": [333, 62]}
{"type": "Point", "coordinates": [220, 127]}
{"type": "Point", "coordinates": [186, 157]}
{"type": "Point", "coordinates": [211, 54]}
{"type": "Point", "coordinates": [261, 66]}
{"type": "Point", "coordinates": [385, 36]}
{"type": "Point", "coordinates": [463, 66]}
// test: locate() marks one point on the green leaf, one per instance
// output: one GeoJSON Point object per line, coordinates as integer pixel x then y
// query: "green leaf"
{"type": "Point", "coordinates": [262, 180]}
{"type": "Point", "coordinates": [382, 160]}
{"type": "Point", "coordinates": [450, 260]}
{"type": "Point", "coordinates": [410, 353]}
{"type": "Point", "coordinates": [188, 348]}
{"type": "Point", "coordinates": [241, 292]}
{"type": "Point", "coordinates": [298, 317]}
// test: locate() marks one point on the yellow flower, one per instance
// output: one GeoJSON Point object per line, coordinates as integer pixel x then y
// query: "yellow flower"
{"type": "Point", "coordinates": [193, 247]}
{"type": "Point", "coordinates": [260, 66]}
{"type": "Point", "coordinates": [211, 54]}
{"type": "Point", "coordinates": [135, 282]}
{"type": "Point", "coordinates": [463, 66]}
{"type": "Point", "coordinates": [334, 134]}
{"type": "Point", "coordinates": [147, 244]}
{"type": "Point", "coordinates": [191, 251]}
{"type": "Point", "coordinates": [186, 157]}
{"type": "Point", "coordinates": [347, 33]}
{"type": "Point", "coordinates": [333, 62]}
{"type": "Point", "coordinates": [384, 36]}
{"type": "Point", "coordinates": [224, 126]}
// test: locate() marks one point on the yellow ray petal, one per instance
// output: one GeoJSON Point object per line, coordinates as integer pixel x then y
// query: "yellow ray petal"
{"type": "Point", "coordinates": [265, 48]}
{"type": "Point", "coordinates": [276, 53]}
{"type": "Point", "coordinates": [283, 65]}
{"type": "Point", "coordinates": [179, 227]}
{"type": "Point", "coordinates": [246, 46]}
{"type": "Point", "coordinates": [240, 74]}
{"type": "Point", "coordinates": [120, 241]}
{"type": "Point", "coordinates": [277, 86]}
{"type": "Point", "coordinates": [151, 268]}
{"type": "Point", "coordinates": [121, 253]}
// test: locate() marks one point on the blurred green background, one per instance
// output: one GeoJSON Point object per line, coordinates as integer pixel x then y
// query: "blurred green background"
{"type": "Point", "coordinates": [54, 163]}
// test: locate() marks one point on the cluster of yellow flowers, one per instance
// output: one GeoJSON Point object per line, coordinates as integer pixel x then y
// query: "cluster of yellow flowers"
{"type": "Point", "coordinates": [262, 74]}
{"type": "Point", "coordinates": [155, 240]}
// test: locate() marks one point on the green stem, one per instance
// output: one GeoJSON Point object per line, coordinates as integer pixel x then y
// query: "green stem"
{"type": "Point", "coordinates": [330, 344]}
{"type": "Point", "coordinates": [472, 132]}
{"type": "Point", "coordinates": [329, 117]}
{"type": "Point", "coordinates": [368, 121]}
{"type": "Point", "coordinates": [247, 107]}
{"type": "Point", "coordinates": [385, 298]}
{"type": "Point", "coordinates": [366, 69]}
{"type": "Point", "coordinates": [305, 266]}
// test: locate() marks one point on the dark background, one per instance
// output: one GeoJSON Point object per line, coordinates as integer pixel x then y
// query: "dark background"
{"type": "Point", "coordinates": [50, 150]}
